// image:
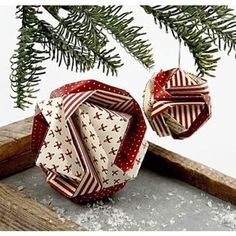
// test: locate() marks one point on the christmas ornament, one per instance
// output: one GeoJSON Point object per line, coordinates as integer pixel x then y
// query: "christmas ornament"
{"type": "Point", "coordinates": [176, 103]}
{"type": "Point", "coordinates": [88, 138]}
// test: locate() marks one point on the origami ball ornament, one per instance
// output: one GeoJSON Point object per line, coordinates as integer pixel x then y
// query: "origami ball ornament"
{"type": "Point", "coordinates": [88, 138]}
{"type": "Point", "coordinates": [176, 103]}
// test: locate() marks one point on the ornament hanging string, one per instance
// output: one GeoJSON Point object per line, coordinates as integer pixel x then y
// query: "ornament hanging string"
{"type": "Point", "coordinates": [179, 56]}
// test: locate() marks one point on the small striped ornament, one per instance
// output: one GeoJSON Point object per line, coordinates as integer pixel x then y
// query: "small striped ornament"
{"type": "Point", "coordinates": [67, 158]}
{"type": "Point", "coordinates": [176, 103]}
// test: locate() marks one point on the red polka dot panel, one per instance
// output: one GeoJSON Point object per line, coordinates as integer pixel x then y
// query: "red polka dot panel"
{"type": "Point", "coordinates": [88, 138]}
{"type": "Point", "coordinates": [176, 103]}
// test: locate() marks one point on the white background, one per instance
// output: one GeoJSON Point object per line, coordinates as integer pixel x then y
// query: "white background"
{"type": "Point", "coordinates": [213, 144]}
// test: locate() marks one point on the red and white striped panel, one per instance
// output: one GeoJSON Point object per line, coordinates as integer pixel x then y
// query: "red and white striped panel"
{"type": "Point", "coordinates": [180, 78]}
{"type": "Point", "coordinates": [122, 114]}
{"type": "Point", "coordinates": [189, 90]}
{"type": "Point", "coordinates": [160, 126]}
{"type": "Point", "coordinates": [90, 182]}
{"type": "Point", "coordinates": [182, 84]}
{"type": "Point", "coordinates": [185, 114]}
{"type": "Point", "coordinates": [73, 100]}
{"type": "Point", "coordinates": [112, 101]}
{"type": "Point", "coordinates": [67, 187]}
{"type": "Point", "coordinates": [161, 106]}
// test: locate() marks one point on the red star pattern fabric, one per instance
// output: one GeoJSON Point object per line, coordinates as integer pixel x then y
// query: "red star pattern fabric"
{"type": "Point", "coordinates": [176, 103]}
{"type": "Point", "coordinates": [88, 138]}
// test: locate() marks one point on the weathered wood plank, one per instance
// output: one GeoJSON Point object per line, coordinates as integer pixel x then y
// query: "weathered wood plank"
{"type": "Point", "coordinates": [158, 158]}
{"type": "Point", "coordinates": [16, 163]}
{"type": "Point", "coordinates": [15, 138]}
{"type": "Point", "coordinates": [19, 212]}
{"type": "Point", "coordinates": [194, 173]}
{"type": "Point", "coordinates": [15, 147]}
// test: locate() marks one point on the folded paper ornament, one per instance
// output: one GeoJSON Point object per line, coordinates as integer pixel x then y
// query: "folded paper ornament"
{"type": "Point", "coordinates": [176, 103]}
{"type": "Point", "coordinates": [88, 138]}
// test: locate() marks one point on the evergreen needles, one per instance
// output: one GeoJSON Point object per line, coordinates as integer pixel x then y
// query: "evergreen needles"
{"type": "Point", "coordinates": [202, 28]}
{"type": "Point", "coordinates": [27, 59]}
{"type": "Point", "coordinates": [80, 39]}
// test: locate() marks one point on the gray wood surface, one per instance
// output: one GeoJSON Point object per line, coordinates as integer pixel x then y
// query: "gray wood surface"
{"type": "Point", "coordinates": [151, 202]}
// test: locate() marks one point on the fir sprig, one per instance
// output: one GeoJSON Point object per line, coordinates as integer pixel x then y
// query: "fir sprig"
{"type": "Point", "coordinates": [219, 22]}
{"type": "Point", "coordinates": [78, 34]}
{"type": "Point", "coordinates": [80, 39]}
{"type": "Point", "coordinates": [119, 24]}
{"type": "Point", "coordinates": [26, 62]}
{"type": "Point", "coordinates": [184, 26]}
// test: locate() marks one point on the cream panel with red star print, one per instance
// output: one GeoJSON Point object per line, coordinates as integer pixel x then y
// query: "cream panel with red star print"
{"type": "Point", "coordinates": [58, 153]}
{"type": "Point", "coordinates": [102, 131]}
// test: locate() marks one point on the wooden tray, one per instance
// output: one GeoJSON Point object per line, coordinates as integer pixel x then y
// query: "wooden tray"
{"type": "Point", "coordinates": [15, 156]}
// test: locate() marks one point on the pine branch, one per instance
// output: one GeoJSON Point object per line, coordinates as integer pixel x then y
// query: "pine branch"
{"type": "Point", "coordinates": [77, 32]}
{"type": "Point", "coordinates": [62, 51]}
{"type": "Point", "coordinates": [185, 27]}
{"type": "Point", "coordinates": [80, 39]}
{"type": "Point", "coordinates": [120, 26]}
{"type": "Point", "coordinates": [220, 24]}
{"type": "Point", "coordinates": [26, 61]}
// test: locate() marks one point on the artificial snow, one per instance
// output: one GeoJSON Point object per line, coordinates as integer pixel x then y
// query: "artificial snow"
{"type": "Point", "coordinates": [100, 214]}
{"type": "Point", "coordinates": [226, 217]}
{"type": "Point", "coordinates": [47, 201]}
{"type": "Point", "coordinates": [209, 203]}
{"type": "Point", "coordinates": [20, 188]}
